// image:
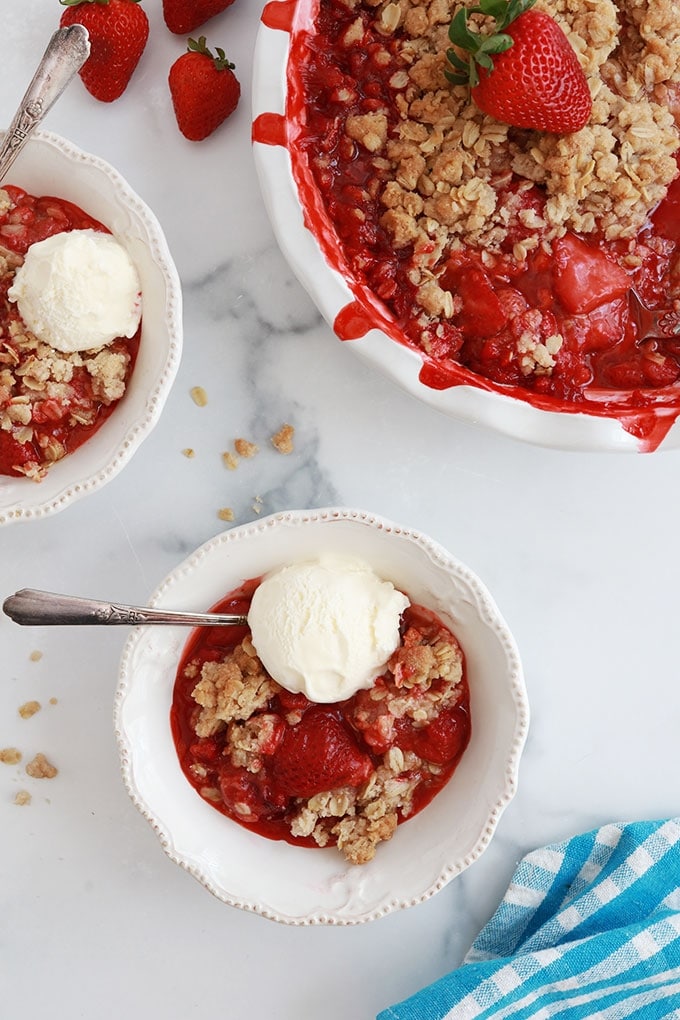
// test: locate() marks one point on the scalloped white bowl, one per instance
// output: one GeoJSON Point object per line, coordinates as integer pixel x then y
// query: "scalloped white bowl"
{"type": "Point", "coordinates": [313, 886]}
{"type": "Point", "coordinates": [311, 246]}
{"type": "Point", "coordinates": [50, 165]}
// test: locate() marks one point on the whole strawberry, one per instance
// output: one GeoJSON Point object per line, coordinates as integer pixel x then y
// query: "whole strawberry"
{"type": "Point", "coordinates": [525, 73]}
{"type": "Point", "coordinates": [204, 90]}
{"type": "Point", "coordinates": [118, 32]}
{"type": "Point", "coordinates": [319, 753]}
{"type": "Point", "coordinates": [183, 16]}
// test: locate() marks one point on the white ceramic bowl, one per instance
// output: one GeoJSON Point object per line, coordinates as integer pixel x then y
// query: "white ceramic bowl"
{"type": "Point", "coordinates": [314, 886]}
{"type": "Point", "coordinates": [50, 165]}
{"type": "Point", "coordinates": [316, 258]}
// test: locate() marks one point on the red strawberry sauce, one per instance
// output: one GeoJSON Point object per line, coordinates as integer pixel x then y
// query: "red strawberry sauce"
{"type": "Point", "coordinates": [324, 750]}
{"type": "Point", "coordinates": [31, 219]}
{"type": "Point", "coordinates": [601, 369]}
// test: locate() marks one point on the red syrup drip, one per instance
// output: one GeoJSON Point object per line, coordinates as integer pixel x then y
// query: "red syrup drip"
{"type": "Point", "coordinates": [270, 129]}
{"type": "Point", "coordinates": [650, 427]}
{"type": "Point", "coordinates": [278, 14]}
{"type": "Point", "coordinates": [352, 322]}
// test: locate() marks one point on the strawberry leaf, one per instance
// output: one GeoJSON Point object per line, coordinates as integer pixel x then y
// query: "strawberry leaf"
{"type": "Point", "coordinates": [496, 44]}
{"type": "Point", "coordinates": [220, 61]}
{"type": "Point", "coordinates": [479, 45]}
{"type": "Point", "coordinates": [492, 8]}
{"type": "Point", "coordinates": [460, 34]}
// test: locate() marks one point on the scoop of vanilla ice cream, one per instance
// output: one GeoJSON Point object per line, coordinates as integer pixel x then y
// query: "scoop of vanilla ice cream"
{"type": "Point", "coordinates": [78, 291]}
{"type": "Point", "coordinates": [325, 627]}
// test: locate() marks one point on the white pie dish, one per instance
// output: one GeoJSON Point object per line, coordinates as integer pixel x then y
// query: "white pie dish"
{"type": "Point", "coordinates": [309, 241]}
{"type": "Point", "coordinates": [316, 886]}
{"type": "Point", "coordinates": [51, 165]}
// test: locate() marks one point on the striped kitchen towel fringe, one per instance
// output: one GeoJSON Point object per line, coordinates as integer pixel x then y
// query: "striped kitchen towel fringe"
{"type": "Point", "coordinates": [588, 928]}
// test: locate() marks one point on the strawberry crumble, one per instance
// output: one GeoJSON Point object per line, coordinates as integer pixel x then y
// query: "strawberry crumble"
{"type": "Point", "coordinates": [51, 401]}
{"type": "Point", "coordinates": [339, 774]}
{"type": "Point", "coordinates": [508, 252]}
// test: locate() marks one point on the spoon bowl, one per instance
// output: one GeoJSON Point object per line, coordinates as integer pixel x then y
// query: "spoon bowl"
{"type": "Point", "coordinates": [663, 324]}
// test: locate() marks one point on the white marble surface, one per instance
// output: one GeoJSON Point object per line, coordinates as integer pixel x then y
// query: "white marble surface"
{"type": "Point", "coordinates": [580, 551]}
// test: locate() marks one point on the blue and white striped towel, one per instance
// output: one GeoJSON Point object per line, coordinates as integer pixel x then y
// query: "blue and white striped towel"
{"type": "Point", "coordinates": [587, 928]}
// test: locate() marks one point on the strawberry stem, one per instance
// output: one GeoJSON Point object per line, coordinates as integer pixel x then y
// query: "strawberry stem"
{"type": "Point", "coordinates": [220, 61]}
{"type": "Point", "coordinates": [481, 47]}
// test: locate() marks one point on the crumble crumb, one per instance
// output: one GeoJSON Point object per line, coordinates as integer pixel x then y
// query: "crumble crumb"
{"type": "Point", "coordinates": [40, 768]}
{"type": "Point", "coordinates": [36, 656]}
{"type": "Point", "coordinates": [10, 755]}
{"type": "Point", "coordinates": [22, 798]}
{"type": "Point", "coordinates": [225, 513]}
{"type": "Point", "coordinates": [233, 689]}
{"type": "Point", "coordinates": [199, 396]}
{"type": "Point", "coordinates": [53, 701]}
{"type": "Point", "coordinates": [189, 452]}
{"type": "Point", "coordinates": [246, 449]}
{"type": "Point", "coordinates": [108, 371]}
{"type": "Point", "coordinates": [283, 439]}
{"type": "Point", "coordinates": [29, 708]}
{"type": "Point", "coordinates": [230, 460]}
{"type": "Point", "coordinates": [257, 505]}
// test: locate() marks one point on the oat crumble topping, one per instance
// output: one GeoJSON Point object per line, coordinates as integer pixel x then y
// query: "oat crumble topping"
{"type": "Point", "coordinates": [22, 798]}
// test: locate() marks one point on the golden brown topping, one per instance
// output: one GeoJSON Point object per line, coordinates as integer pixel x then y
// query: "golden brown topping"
{"type": "Point", "coordinates": [199, 396]}
{"type": "Point", "coordinates": [244, 448]}
{"type": "Point", "coordinates": [40, 768]}
{"type": "Point", "coordinates": [283, 439]}
{"type": "Point", "coordinates": [10, 755]}
{"type": "Point", "coordinates": [29, 708]}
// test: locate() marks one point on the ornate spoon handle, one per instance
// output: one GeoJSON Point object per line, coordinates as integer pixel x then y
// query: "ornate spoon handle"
{"type": "Point", "coordinates": [43, 608]}
{"type": "Point", "coordinates": [66, 52]}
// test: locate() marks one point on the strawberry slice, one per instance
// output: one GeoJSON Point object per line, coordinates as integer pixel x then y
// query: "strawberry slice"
{"type": "Point", "coordinates": [318, 754]}
{"type": "Point", "coordinates": [13, 454]}
{"type": "Point", "coordinates": [248, 797]}
{"type": "Point", "coordinates": [585, 277]}
{"type": "Point", "coordinates": [441, 741]}
{"type": "Point", "coordinates": [482, 314]}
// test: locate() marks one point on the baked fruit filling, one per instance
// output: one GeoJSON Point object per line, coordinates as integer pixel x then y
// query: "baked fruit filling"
{"type": "Point", "coordinates": [507, 251]}
{"type": "Point", "coordinates": [339, 774]}
{"type": "Point", "coordinates": [51, 400]}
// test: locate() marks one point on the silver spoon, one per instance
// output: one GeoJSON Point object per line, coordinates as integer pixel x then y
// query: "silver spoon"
{"type": "Point", "coordinates": [32, 608]}
{"type": "Point", "coordinates": [66, 52]}
{"type": "Point", "coordinates": [660, 324]}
